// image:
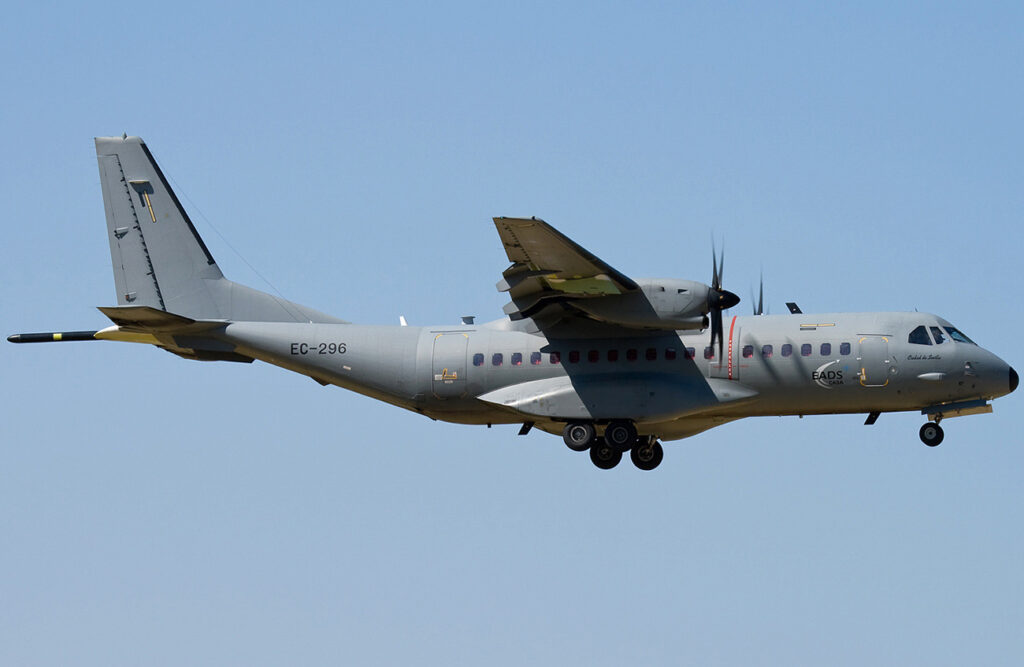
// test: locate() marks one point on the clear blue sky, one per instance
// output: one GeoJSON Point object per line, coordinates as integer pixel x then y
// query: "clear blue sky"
{"type": "Point", "coordinates": [163, 512]}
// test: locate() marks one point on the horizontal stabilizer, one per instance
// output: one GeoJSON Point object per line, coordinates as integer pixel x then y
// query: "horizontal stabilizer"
{"type": "Point", "coordinates": [144, 318]}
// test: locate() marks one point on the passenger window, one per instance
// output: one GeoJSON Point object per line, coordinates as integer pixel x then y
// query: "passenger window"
{"type": "Point", "coordinates": [535, 358]}
{"type": "Point", "coordinates": [690, 353]}
{"type": "Point", "coordinates": [787, 350]}
{"type": "Point", "coordinates": [805, 350]}
{"type": "Point", "coordinates": [593, 356]}
{"type": "Point", "coordinates": [826, 349]}
{"type": "Point", "coordinates": [670, 354]}
{"type": "Point", "coordinates": [651, 354]}
{"type": "Point", "coordinates": [555, 358]}
{"type": "Point", "coordinates": [574, 356]}
{"type": "Point", "coordinates": [631, 354]}
{"type": "Point", "coordinates": [517, 358]}
{"type": "Point", "coordinates": [478, 359]}
{"type": "Point", "coordinates": [748, 351]}
{"type": "Point", "coordinates": [919, 336]}
{"type": "Point", "coordinates": [497, 359]}
{"type": "Point", "coordinates": [709, 352]}
{"type": "Point", "coordinates": [613, 355]}
{"type": "Point", "coordinates": [844, 349]}
{"type": "Point", "coordinates": [766, 351]}
{"type": "Point", "coordinates": [937, 335]}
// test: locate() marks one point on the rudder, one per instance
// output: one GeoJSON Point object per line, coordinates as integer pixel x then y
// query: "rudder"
{"type": "Point", "coordinates": [159, 259]}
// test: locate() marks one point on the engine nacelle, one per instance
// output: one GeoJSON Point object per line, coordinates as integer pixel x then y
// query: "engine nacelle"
{"type": "Point", "coordinates": [661, 303]}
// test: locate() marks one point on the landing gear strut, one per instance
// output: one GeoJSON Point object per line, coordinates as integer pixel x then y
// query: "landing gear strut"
{"type": "Point", "coordinates": [931, 434]}
{"type": "Point", "coordinates": [647, 454]}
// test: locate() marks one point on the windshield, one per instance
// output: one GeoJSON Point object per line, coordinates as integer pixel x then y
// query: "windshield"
{"type": "Point", "coordinates": [958, 336]}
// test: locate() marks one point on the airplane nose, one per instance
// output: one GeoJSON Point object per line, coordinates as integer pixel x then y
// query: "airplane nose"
{"type": "Point", "coordinates": [1014, 380]}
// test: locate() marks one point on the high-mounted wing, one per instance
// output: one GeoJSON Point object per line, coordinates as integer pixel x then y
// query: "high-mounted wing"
{"type": "Point", "coordinates": [549, 269]}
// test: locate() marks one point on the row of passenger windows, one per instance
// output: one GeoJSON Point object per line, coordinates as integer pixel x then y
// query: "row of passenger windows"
{"type": "Point", "coordinates": [919, 336]}
{"type": "Point", "coordinates": [651, 354]}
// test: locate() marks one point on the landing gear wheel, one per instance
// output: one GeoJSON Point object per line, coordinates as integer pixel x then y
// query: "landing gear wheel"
{"type": "Point", "coordinates": [621, 434]}
{"type": "Point", "coordinates": [579, 436]}
{"type": "Point", "coordinates": [604, 455]}
{"type": "Point", "coordinates": [647, 455]}
{"type": "Point", "coordinates": [931, 434]}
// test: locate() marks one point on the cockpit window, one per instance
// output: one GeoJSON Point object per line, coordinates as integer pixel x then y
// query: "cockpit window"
{"type": "Point", "coordinates": [937, 334]}
{"type": "Point", "coordinates": [958, 336]}
{"type": "Point", "coordinates": [919, 336]}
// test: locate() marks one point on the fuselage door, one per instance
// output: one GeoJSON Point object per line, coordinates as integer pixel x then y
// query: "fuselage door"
{"type": "Point", "coordinates": [874, 360]}
{"type": "Point", "coordinates": [449, 365]}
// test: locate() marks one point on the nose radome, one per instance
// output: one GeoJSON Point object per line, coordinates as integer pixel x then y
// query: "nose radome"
{"type": "Point", "coordinates": [1014, 379]}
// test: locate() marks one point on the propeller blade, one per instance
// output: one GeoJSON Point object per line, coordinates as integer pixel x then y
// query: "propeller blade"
{"type": "Point", "coordinates": [716, 331]}
{"type": "Point", "coordinates": [718, 299]}
{"type": "Point", "coordinates": [758, 305]}
{"type": "Point", "coordinates": [715, 281]}
{"type": "Point", "coordinates": [721, 337]}
{"type": "Point", "coordinates": [721, 266]}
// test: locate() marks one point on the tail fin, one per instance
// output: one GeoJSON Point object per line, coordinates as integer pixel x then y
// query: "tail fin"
{"type": "Point", "coordinates": [159, 258]}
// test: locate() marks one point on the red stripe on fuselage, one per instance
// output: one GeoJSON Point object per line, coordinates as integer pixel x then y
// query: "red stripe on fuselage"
{"type": "Point", "coordinates": [732, 326]}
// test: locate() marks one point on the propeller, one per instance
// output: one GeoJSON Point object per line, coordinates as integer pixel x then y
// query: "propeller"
{"type": "Point", "coordinates": [718, 299]}
{"type": "Point", "coordinates": [758, 305]}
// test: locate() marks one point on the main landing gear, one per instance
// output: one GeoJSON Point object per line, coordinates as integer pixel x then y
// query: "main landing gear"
{"type": "Point", "coordinates": [931, 433]}
{"type": "Point", "coordinates": [619, 437]}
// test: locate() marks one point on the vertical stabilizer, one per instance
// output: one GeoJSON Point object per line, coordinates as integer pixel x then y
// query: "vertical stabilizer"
{"type": "Point", "coordinates": [159, 259]}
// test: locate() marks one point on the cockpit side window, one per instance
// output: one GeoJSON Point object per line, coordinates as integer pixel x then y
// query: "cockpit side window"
{"type": "Point", "coordinates": [919, 336]}
{"type": "Point", "coordinates": [958, 335]}
{"type": "Point", "coordinates": [937, 334]}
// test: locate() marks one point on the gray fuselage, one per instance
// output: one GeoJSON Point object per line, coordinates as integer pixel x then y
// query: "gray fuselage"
{"type": "Point", "coordinates": [663, 381]}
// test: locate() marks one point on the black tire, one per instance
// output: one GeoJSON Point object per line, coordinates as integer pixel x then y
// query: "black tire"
{"type": "Point", "coordinates": [621, 434]}
{"type": "Point", "coordinates": [578, 436]}
{"type": "Point", "coordinates": [931, 434]}
{"type": "Point", "coordinates": [604, 455]}
{"type": "Point", "coordinates": [647, 456]}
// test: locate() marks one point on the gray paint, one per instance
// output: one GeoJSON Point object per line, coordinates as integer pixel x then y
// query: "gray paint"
{"type": "Point", "coordinates": [564, 300]}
